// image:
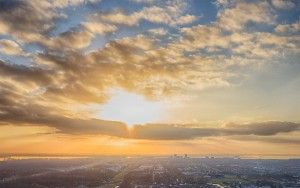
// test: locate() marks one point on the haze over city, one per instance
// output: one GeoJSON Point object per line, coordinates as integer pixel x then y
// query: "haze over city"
{"type": "Point", "coordinates": [149, 77]}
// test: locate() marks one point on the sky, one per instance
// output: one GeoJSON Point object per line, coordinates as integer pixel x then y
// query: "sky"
{"type": "Point", "coordinates": [150, 77]}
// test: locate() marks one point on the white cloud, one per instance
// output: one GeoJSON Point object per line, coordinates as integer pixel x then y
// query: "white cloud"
{"type": "Point", "coordinates": [288, 28]}
{"type": "Point", "coordinates": [66, 3]}
{"type": "Point", "coordinates": [158, 31]}
{"type": "Point", "coordinates": [99, 28]}
{"type": "Point", "coordinates": [283, 4]}
{"type": "Point", "coordinates": [173, 13]}
{"type": "Point", "coordinates": [235, 18]}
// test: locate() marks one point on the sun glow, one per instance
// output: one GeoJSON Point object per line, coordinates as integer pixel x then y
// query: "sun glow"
{"type": "Point", "coordinates": [131, 109]}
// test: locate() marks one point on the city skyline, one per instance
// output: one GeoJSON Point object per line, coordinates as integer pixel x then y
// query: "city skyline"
{"type": "Point", "coordinates": [150, 77]}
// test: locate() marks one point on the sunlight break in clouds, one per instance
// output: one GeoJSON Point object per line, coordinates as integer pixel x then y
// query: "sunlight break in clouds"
{"type": "Point", "coordinates": [131, 109]}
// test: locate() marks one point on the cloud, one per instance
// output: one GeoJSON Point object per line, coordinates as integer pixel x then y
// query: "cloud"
{"type": "Point", "coordinates": [225, 3]}
{"type": "Point", "coordinates": [99, 28]}
{"type": "Point", "coordinates": [39, 19]}
{"type": "Point", "coordinates": [10, 47]}
{"type": "Point", "coordinates": [67, 3]}
{"type": "Point", "coordinates": [263, 128]}
{"type": "Point", "coordinates": [40, 116]}
{"type": "Point", "coordinates": [202, 36]}
{"type": "Point", "coordinates": [121, 63]}
{"type": "Point", "coordinates": [78, 37]}
{"type": "Point", "coordinates": [283, 4]}
{"type": "Point", "coordinates": [232, 36]}
{"type": "Point", "coordinates": [288, 28]}
{"type": "Point", "coordinates": [235, 18]}
{"type": "Point", "coordinates": [158, 31]}
{"type": "Point", "coordinates": [180, 132]}
{"type": "Point", "coordinates": [44, 90]}
{"type": "Point", "coordinates": [17, 111]}
{"type": "Point", "coordinates": [72, 39]}
{"type": "Point", "coordinates": [133, 63]}
{"type": "Point", "coordinates": [269, 139]}
{"type": "Point", "coordinates": [169, 132]}
{"type": "Point", "coordinates": [25, 74]}
{"type": "Point", "coordinates": [144, 1]}
{"type": "Point", "coordinates": [18, 107]}
{"type": "Point", "coordinates": [172, 14]}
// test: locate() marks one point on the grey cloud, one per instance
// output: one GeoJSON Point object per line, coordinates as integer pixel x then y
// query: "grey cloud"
{"type": "Point", "coordinates": [25, 73]}
{"type": "Point", "coordinates": [170, 132]}
{"type": "Point", "coordinates": [32, 21]}
{"type": "Point", "coordinates": [27, 20]}
{"type": "Point", "coordinates": [33, 116]}
{"type": "Point", "coordinates": [264, 128]}
{"type": "Point", "coordinates": [20, 112]}
{"type": "Point", "coordinates": [268, 139]}
{"type": "Point", "coordinates": [177, 132]}
{"type": "Point", "coordinates": [283, 4]}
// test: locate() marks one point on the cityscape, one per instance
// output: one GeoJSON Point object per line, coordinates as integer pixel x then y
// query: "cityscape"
{"type": "Point", "coordinates": [177, 171]}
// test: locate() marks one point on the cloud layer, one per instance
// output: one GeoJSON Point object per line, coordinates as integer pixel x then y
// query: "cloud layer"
{"type": "Point", "coordinates": [51, 62]}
